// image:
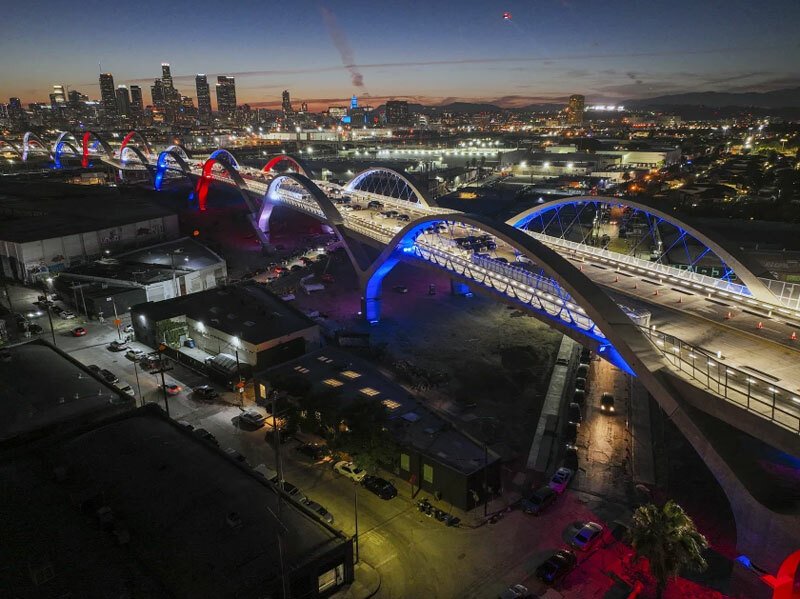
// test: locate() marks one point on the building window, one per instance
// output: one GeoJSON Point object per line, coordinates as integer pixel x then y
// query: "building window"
{"type": "Point", "coordinates": [370, 391]}
{"type": "Point", "coordinates": [405, 462]}
{"type": "Point", "coordinates": [351, 374]}
{"type": "Point", "coordinates": [427, 473]}
{"type": "Point", "coordinates": [390, 404]}
{"type": "Point", "coordinates": [302, 369]}
{"type": "Point", "coordinates": [331, 578]}
{"type": "Point", "coordinates": [262, 391]}
{"type": "Point", "coordinates": [333, 382]}
{"type": "Point", "coordinates": [325, 359]}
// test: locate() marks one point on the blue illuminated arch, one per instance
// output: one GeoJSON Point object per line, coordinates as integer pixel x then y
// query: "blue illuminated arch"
{"type": "Point", "coordinates": [162, 166]}
{"type": "Point", "coordinates": [59, 149]}
{"type": "Point", "coordinates": [226, 156]}
{"type": "Point", "coordinates": [753, 285]}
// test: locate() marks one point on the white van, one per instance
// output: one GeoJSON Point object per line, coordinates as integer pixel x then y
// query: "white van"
{"type": "Point", "coordinates": [268, 473]}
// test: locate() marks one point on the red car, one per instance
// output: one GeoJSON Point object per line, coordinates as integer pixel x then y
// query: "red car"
{"type": "Point", "coordinates": [172, 389]}
{"type": "Point", "coordinates": [79, 332]}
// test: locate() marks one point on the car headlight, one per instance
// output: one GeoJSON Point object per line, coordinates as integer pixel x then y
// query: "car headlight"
{"type": "Point", "coordinates": [603, 408]}
{"type": "Point", "coordinates": [611, 408]}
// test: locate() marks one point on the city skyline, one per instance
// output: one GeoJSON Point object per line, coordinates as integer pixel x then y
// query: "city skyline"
{"type": "Point", "coordinates": [542, 54]}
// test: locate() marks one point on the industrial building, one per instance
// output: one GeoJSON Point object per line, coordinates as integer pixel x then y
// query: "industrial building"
{"type": "Point", "coordinates": [116, 282]}
{"type": "Point", "coordinates": [245, 321]}
{"type": "Point", "coordinates": [65, 225]}
{"type": "Point", "coordinates": [434, 456]}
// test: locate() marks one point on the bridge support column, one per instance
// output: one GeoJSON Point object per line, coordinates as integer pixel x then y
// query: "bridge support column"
{"type": "Point", "coordinates": [371, 309]}
{"type": "Point", "coordinates": [371, 299]}
{"type": "Point", "coordinates": [458, 288]}
{"type": "Point", "coordinates": [262, 222]}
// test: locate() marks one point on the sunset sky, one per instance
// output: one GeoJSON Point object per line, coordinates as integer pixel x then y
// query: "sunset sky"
{"type": "Point", "coordinates": [432, 52]}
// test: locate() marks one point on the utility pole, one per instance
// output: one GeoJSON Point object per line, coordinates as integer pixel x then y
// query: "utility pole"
{"type": "Point", "coordinates": [116, 319]}
{"type": "Point", "coordinates": [138, 386]}
{"type": "Point", "coordinates": [355, 507]}
{"type": "Point", "coordinates": [277, 442]}
{"type": "Point", "coordinates": [161, 371]}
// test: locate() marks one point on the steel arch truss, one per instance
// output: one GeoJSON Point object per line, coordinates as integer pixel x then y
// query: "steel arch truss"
{"type": "Point", "coordinates": [163, 166]}
{"type": "Point", "coordinates": [28, 141]}
{"type": "Point", "coordinates": [87, 148]}
{"type": "Point", "coordinates": [58, 151]}
{"type": "Point", "coordinates": [640, 234]}
{"type": "Point", "coordinates": [294, 164]}
{"type": "Point", "coordinates": [12, 146]}
{"type": "Point", "coordinates": [231, 175]}
{"type": "Point", "coordinates": [387, 182]}
{"type": "Point", "coordinates": [143, 160]}
{"type": "Point", "coordinates": [554, 291]}
{"type": "Point", "coordinates": [140, 140]}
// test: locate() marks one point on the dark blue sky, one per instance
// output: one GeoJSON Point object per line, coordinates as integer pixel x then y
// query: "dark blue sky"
{"type": "Point", "coordinates": [431, 50]}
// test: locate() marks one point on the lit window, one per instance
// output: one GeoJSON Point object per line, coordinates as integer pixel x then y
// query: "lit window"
{"type": "Point", "coordinates": [405, 462]}
{"type": "Point", "coordinates": [262, 391]}
{"type": "Point", "coordinates": [351, 374]}
{"type": "Point", "coordinates": [325, 359]}
{"type": "Point", "coordinates": [427, 473]}
{"type": "Point", "coordinates": [390, 404]}
{"type": "Point", "coordinates": [333, 383]}
{"type": "Point", "coordinates": [302, 369]}
{"type": "Point", "coordinates": [370, 391]}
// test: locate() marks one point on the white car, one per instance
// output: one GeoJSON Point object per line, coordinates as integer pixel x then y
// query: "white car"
{"type": "Point", "coordinates": [350, 470]}
{"type": "Point", "coordinates": [586, 538]}
{"type": "Point", "coordinates": [134, 354]}
{"type": "Point", "coordinates": [252, 418]}
{"type": "Point", "coordinates": [560, 480]}
{"type": "Point", "coordinates": [67, 315]}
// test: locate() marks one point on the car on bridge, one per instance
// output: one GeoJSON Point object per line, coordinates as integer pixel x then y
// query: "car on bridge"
{"type": "Point", "coordinates": [607, 403]}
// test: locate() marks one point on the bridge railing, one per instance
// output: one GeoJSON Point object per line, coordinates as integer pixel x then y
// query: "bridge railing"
{"type": "Point", "coordinates": [752, 392]}
{"type": "Point", "coordinates": [678, 275]}
{"type": "Point", "coordinates": [787, 293]}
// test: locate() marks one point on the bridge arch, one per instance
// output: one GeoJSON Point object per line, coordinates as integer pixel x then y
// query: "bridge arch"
{"type": "Point", "coordinates": [789, 572]}
{"type": "Point", "coordinates": [226, 160]}
{"type": "Point", "coordinates": [179, 150]}
{"type": "Point", "coordinates": [145, 147]}
{"type": "Point", "coordinates": [87, 136]}
{"type": "Point", "coordinates": [391, 183]}
{"type": "Point", "coordinates": [294, 162]}
{"type": "Point", "coordinates": [28, 140]}
{"type": "Point", "coordinates": [64, 136]}
{"type": "Point", "coordinates": [549, 214]}
{"type": "Point", "coordinates": [59, 150]}
{"type": "Point", "coordinates": [162, 166]}
{"type": "Point", "coordinates": [143, 160]}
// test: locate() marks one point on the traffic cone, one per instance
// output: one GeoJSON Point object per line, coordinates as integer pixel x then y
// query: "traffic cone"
{"type": "Point", "coordinates": [760, 325]}
{"type": "Point", "coordinates": [680, 299]}
{"type": "Point", "coordinates": [655, 292]}
{"type": "Point", "coordinates": [728, 316]}
{"type": "Point", "coordinates": [636, 285]}
{"type": "Point", "coordinates": [616, 279]}
{"type": "Point", "coordinates": [793, 336]}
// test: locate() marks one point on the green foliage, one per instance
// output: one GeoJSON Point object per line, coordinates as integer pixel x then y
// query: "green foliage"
{"type": "Point", "coordinates": [666, 536]}
{"type": "Point", "coordinates": [366, 439]}
{"type": "Point", "coordinates": [170, 331]}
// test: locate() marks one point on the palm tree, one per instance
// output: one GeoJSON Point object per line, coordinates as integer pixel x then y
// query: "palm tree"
{"type": "Point", "coordinates": [667, 537]}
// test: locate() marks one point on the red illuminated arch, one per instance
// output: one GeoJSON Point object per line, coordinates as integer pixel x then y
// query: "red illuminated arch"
{"type": "Point", "coordinates": [298, 168]}
{"type": "Point", "coordinates": [85, 147]}
{"type": "Point", "coordinates": [143, 145]}
{"type": "Point", "coordinates": [783, 583]}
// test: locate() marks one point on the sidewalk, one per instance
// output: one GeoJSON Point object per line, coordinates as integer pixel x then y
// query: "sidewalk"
{"type": "Point", "coordinates": [367, 582]}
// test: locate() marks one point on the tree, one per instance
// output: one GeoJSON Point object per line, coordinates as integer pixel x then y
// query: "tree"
{"type": "Point", "coordinates": [667, 538]}
{"type": "Point", "coordinates": [366, 437]}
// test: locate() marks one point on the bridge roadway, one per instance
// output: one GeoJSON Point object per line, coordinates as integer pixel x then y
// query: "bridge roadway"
{"type": "Point", "coordinates": [737, 347]}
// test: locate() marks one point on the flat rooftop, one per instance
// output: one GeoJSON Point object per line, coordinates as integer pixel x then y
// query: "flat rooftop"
{"type": "Point", "coordinates": [247, 311]}
{"type": "Point", "coordinates": [32, 218]}
{"type": "Point", "coordinates": [410, 422]}
{"type": "Point", "coordinates": [40, 387]}
{"type": "Point", "coordinates": [197, 522]}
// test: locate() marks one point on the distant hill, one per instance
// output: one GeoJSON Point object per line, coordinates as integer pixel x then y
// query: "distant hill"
{"type": "Point", "coordinates": [779, 98]}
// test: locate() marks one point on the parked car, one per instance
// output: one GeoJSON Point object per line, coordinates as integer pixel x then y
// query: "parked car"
{"type": "Point", "coordinates": [574, 413]}
{"type": "Point", "coordinates": [403, 218]}
{"type": "Point", "coordinates": [318, 510]}
{"type": "Point", "coordinates": [79, 332]}
{"type": "Point", "coordinates": [291, 490]}
{"type": "Point", "coordinates": [350, 470]}
{"type": "Point", "coordinates": [557, 566]}
{"type": "Point", "coordinates": [580, 383]}
{"type": "Point", "coordinates": [538, 501]}
{"type": "Point", "coordinates": [375, 204]}
{"type": "Point", "coordinates": [313, 451]}
{"type": "Point", "coordinates": [35, 329]}
{"type": "Point", "coordinates": [94, 368]}
{"type": "Point", "coordinates": [571, 434]}
{"type": "Point", "coordinates": [109, 376]}
{"type": "Point", "coordinates": [560, 479]}
{"type": "Point", "coordinates": [127, 389]}
{"type": "Point", "coordinates": [252, 417]}
{"type": "Point", "coordinates": [117, 345]}
{"type": "Point", "coordinates": [205, 436]}
{"type": "Point", "coordinates": [516, 591]}
{"type": "Point", "coordinates": [381, 487]}
{"type": "Point", "coordinates": [607, 403]}
{"type": "Point", "coordinates": [128, 328]}
{"type": "Point", "coordinates": [579, 397]}
{"type": "Point", "coordinates": [172, 388]}
{"type": "Point", "coordinates": [587, 537]}
{"type": "Point", "coordinates": [134, 354]}
{"type": "Point", "coordinates": [206, 392]}
{"type": "Point", "coordinates": [571, 457]}
{"type": "Point", "coordinates": [67, 315]}
{"type": "Point", "coordinates": [231, 452]}
{"type": "Point", "coordinates": [582, 370]}
{"type": "Point", "coordinates": [268, 473]}
{"type": "Point", "coordinates": [189, 342]}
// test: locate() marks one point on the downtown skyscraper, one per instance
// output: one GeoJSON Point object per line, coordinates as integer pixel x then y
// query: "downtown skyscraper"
{"type": "Point", "coordinates": [226, 96]}
{"type": "Point", "coordinates": [108, 93]}
{"type": "Point", "coordinates": [203, 98]}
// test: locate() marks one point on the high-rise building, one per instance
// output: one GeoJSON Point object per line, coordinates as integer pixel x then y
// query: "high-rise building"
{"type": "Point", "coordinates": [123, 101]}
{"type": "Point", "coordinates": [58, 99]}
{"type": "Point", "coordinates": [14, 108]}
{"type": "Point", "coordinates": [397, 112]}
{"type": "Point", "coordinates": [226, 95]}
{"type": "Point", "coordinates": [157, 93]}
{"type": "Point", "coordinates": [76, 98]}
{"type": "Point", "coordinates": [108, 97]}
{"type": "Point", "coordinates": [304, 107]}
{"type": "Point", "coordinates": [166, 75]}
{"type": "Point", "coordinates": [287, 102]}
{"type": "Point", "coordinates": [203, 98]}
{"type": "Point", "coordinates": [137, 101]}
{"type": "Point", "coordinates": [575, 108]}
